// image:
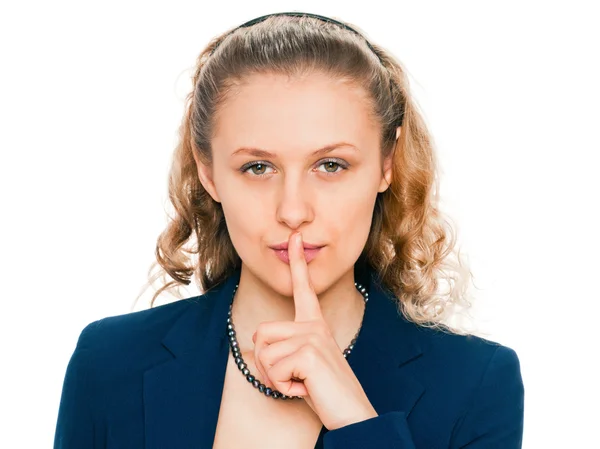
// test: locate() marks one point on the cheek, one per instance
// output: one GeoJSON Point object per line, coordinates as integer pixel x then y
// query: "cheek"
{"type": "Point", "coordinates": [244, 220]}
{"type": "Point", "coordinates": [244, 214]}
{"type": "Point", "coordinates": [249, 222]}
{"type": "Point", "coordinates": [350, 222]}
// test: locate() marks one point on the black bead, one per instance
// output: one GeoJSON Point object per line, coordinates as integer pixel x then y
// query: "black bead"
{"type": "Point", "coordinates": [245, 371]}
{"type": "Point", "coordinates": [268, 391]}
{"type": "Point", "coordinates": [261, 388]}
{"type": "Point", "coordinates": [249, 377]}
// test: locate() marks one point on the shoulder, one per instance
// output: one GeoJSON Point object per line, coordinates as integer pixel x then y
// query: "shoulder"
{"type": "Point", "coordinates": [144, 325]}
{"type": "Point", "coordinates": [447, 364]}
{"type": "Point", "coordinates": [470, 351]}
{"type": "Point", "coordinates": [133, 341]}
{"type": "Point", "coordinates": [467, 356]}
{"type": "Point", "coordinates": [468, 368]}
{"type": "Point", "coordinates": [480, 381]}
{"type": "Point", "coordinates": [439, 353]}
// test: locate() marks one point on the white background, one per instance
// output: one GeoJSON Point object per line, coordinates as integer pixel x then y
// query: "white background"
{"type": "Point", "coordinates": [91, 95]}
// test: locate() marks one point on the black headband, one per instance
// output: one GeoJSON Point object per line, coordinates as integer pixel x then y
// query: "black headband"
{"type": "Point", "coordinates": [305, 14]}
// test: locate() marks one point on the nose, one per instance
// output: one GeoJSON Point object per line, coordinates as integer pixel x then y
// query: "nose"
{"type": "Point", "coordinates": [293, 206]}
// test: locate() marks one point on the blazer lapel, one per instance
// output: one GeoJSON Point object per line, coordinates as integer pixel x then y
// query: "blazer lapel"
{"type": "Point", "coordinates": [182, 396]}
{"type": "Point", "coordinates": [386, 344]}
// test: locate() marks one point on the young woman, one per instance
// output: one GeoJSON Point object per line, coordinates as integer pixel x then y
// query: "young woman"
{"type": "Point", "coordinates": [303, 187]}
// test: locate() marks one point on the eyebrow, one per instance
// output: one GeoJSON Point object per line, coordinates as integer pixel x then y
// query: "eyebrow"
{"type": "Point", "coordinates": [263, 153]}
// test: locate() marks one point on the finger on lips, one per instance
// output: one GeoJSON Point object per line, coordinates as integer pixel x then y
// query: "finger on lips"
{"type": "Point", "coordinates": [306, 302]}
{"type": "Point", "coordinates": [278, 343]}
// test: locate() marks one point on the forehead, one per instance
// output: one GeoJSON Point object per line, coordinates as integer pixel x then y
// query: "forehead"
{"type": "Point", "coordinates": [296, 113]}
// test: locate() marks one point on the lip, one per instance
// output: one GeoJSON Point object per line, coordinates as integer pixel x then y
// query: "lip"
{"type": "Point", "coordinates": [306, 245]}
{"type": "Point", "coordinates": [309, 254]}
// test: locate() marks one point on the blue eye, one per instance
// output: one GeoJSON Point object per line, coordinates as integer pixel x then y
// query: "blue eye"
{"type": "Point", "coordinates": [257, 169]}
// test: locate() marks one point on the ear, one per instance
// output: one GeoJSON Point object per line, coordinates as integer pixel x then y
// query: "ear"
{"type": "Point", "coordinates": [387, 167]}
{"type": "Point", "coordinates": [206, 178]}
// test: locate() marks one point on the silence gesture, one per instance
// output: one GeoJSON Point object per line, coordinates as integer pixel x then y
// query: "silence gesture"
{"type": "Point", "coordinates": [301, 357]}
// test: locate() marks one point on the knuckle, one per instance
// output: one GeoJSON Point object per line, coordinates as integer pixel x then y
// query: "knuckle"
{"type": "Point", "coordinates": [261, 328]}
{"type": "Point", "coordinates": [314, 340]}
{"type": "Point", "coordinates": [264, 356]}
{"type": "Point", "coordinates": [309, 354]}
{"type": "Point", "coordinates": [322, 327]}
{"type": "Point", "coordinates": [319, 328]}
{"type": "Point", "coordinates": [269, 375]}
{"type": "Point", "coordinates": [269, 371]}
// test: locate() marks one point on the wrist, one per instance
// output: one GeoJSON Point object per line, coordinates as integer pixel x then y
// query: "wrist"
{"type": "Point", "coordinates": [366, 413]}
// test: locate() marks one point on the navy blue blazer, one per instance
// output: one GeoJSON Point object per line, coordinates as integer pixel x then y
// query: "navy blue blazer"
{"type": "Point", "coordinates": [153, 379]}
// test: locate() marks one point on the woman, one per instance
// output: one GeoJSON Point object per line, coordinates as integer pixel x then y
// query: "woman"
{"type": "Point", "coordinates": [305, 177]}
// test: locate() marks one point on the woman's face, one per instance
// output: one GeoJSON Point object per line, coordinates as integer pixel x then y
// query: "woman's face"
{"type": "Point", "coordinates": [271, 182]}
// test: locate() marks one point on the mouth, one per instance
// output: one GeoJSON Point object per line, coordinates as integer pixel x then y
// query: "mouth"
{"type": "Point", "coordinates": [309, 254]}
{"type": "Point", "coordinates": [306, 245]}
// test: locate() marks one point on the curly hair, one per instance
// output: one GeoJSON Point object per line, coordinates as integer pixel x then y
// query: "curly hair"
{"type": "Point", "coordinates": [410, 245]}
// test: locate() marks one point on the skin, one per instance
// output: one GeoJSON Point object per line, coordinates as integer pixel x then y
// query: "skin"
{"type": "Point", "coordinates": [295, 319]}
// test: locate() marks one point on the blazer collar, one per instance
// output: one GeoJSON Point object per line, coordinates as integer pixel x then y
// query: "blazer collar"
{"type": "Point", "coordinates": [182, 396]}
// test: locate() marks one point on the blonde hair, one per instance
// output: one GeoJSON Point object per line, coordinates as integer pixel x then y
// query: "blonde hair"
{"type": "Point", "coordinates": [410, 244]}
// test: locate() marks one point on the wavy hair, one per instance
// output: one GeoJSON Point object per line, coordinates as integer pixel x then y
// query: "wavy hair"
{"type": "Point", "coordinates": [410, 245]}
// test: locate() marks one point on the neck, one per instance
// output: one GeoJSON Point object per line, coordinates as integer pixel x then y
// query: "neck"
{"type": "Point", "coordinates": [342, 306]}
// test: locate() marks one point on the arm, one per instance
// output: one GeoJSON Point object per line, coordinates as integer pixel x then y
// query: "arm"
{"type": "Point", "coordinates": [74, 427]}
{"type": "Point", "coordinates": [494, 420]}
{"type": "Point", "coordinates": [386, 431]}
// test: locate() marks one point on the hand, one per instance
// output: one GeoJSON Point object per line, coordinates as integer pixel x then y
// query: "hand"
{"type": "Point", "coordinates": [301, 358]}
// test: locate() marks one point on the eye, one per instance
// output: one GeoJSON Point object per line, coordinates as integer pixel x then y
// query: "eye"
{"type": "Point", "coordinates": [258, 168]}
{"type": "Point", "coordinates": [333, 164]}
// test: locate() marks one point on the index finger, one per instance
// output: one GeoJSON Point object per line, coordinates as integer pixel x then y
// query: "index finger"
{"type": "Point", "coordinates": [306, 302]}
